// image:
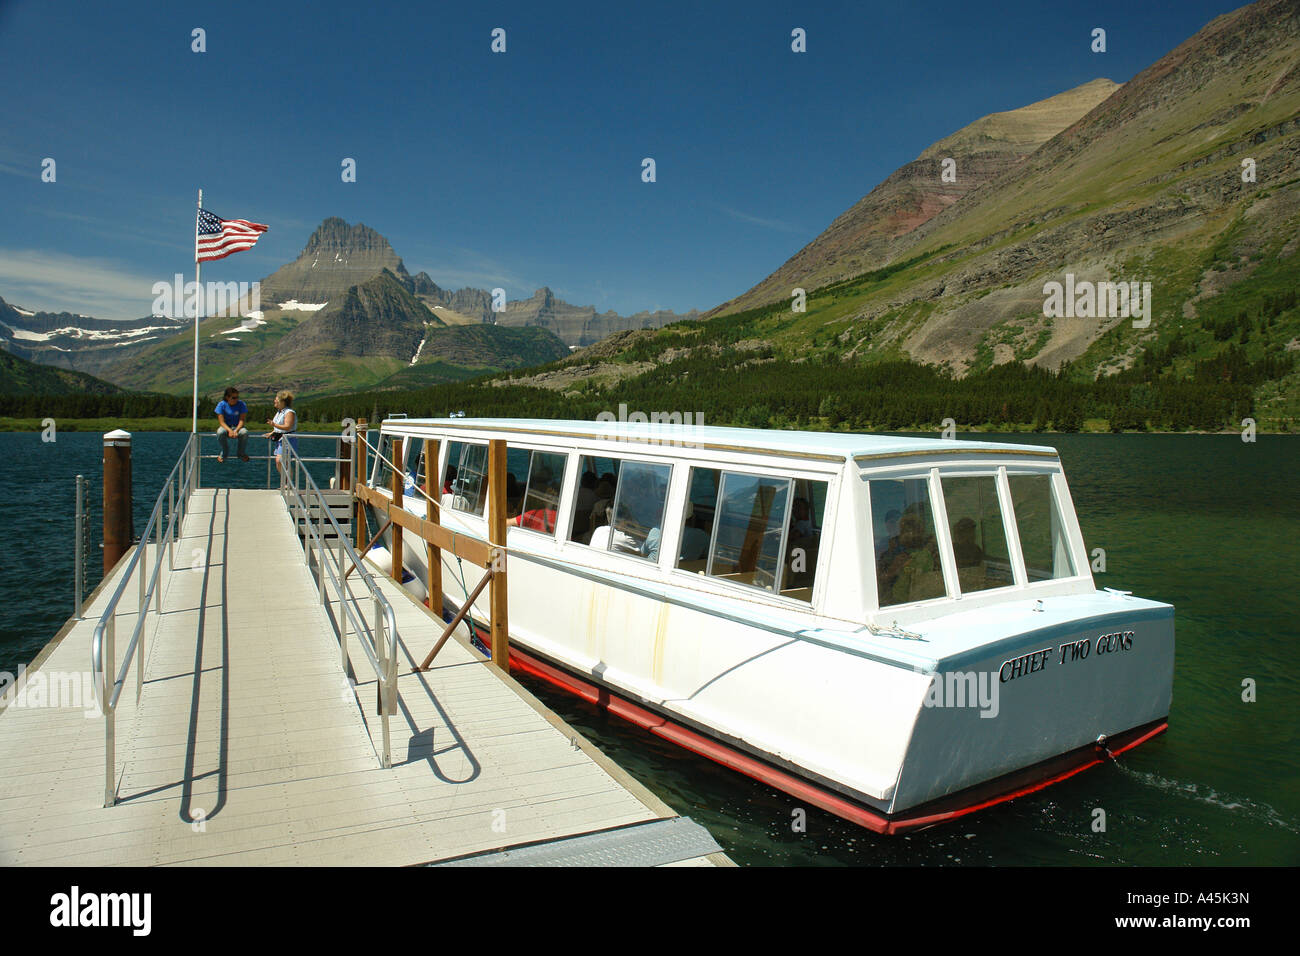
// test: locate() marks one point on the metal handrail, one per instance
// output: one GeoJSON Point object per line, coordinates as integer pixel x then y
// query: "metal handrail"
{"type": "Point", "coordinates": [383, 659]}
{"type": "Point", "coordinates": [270, 458]}
{"type": "Point", "coordinates": [175, 492]}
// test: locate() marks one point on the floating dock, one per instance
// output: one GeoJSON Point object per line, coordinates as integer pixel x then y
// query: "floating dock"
{"type": "Point", "coordinates": [245, 742]}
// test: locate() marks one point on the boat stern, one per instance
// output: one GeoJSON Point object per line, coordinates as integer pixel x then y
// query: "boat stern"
{"type": "Point", "coordinates": [1085, 676]}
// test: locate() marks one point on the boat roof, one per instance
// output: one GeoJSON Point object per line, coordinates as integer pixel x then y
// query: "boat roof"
{"type": "Point", "coordinates": [838, 444]}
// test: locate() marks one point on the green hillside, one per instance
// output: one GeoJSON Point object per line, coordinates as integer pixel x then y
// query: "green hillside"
{"type": "Point", "coordinates": [19, 377]}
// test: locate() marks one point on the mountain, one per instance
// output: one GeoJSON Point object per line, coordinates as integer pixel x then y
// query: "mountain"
{"type": "Point", "coordinates": [873, 231]}
{"type": "Point", "coordinates": [1186, 178]}
{"type": "Point", "coordinates": [337, 256]}
{"type": "Point", "coordinates": [580, 325]}
{"type": "Point", "coordinates": [575, 325]}
{"type": "Point", "coordinates": [1146, 185]}
{"type": "Point", "coordinates": [77, 342]}
{"type": "Point", "coordinates": [345, 314]}
{"type": "Point", "coordinates": [21, 377]}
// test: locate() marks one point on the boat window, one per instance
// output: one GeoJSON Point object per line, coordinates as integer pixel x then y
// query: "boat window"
{"type": "Point", "coordinates": [638, 512]}
{"type": "Point", "coordinates": [907, 554]}
{"type": "Point", "coordinates": [803, 541]}
{"type": "Point", "coordinates": [756, 516]}
{"type": "Point", "coordinates": [1042, 532]}
{"type": "Point", "coordinates": [517, 462]}
{"type": "Point", "coordinates": [540, 492]}
{"type": "Point", "coordinates": [597, 484]}
{"type": "Point", "coordinates": [465, 479]}
{"type": "Point", "coordinates": [697, 524]}
{"type": "Point", "coordinates": [749, 529]}
{"type": "Point", "coordinates": [418, 466]}
{"type": "Point", "coordinates": [979, 541]}
{"type": "Point", "coordinates": [383, 472]}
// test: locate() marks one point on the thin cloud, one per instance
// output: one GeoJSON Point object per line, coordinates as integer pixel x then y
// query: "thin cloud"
{"type": "Point", "coordinates": [54, 282]}
{"type": "Point", "coordinates": [756, 220]}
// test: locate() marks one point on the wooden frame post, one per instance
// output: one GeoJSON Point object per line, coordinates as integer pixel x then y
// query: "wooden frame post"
{"type": "Point", "coordinates": [343, 467]}
{"type": "Point", "coordinates": [360, 517]}
{"type": "Point", "coordinates": [432, 553]}
{"type": "Point", "coordinates": [497, 537]}
{"type": "Point", "coordinates": [399, 484]}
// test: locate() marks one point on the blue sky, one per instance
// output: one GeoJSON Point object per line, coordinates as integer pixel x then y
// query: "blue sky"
{"type": "Point", "coordinates": [518, 169]}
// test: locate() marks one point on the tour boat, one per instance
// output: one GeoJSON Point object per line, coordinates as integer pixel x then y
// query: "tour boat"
{"type": "Point", "coordinates": [897, 630]}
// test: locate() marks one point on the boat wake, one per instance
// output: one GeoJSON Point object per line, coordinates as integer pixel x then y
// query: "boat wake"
{"type": "Point", "coordinates": [1261, 812]}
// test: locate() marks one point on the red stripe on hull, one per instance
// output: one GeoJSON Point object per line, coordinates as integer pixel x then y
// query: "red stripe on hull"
{"type": "Point", "coordinates": [968, 801]}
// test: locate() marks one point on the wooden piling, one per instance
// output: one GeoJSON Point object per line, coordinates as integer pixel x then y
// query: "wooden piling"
{"type": "Point", "coordinates": [118, 526]}
{"type": "Point", "coordinates": [399, 482]}
{"type": "Point", "coordinates": [360, 517]}
{"type": "Point", "coordinates": [497, 537]}
{"type": "Point", "coordinates": [343, 467]}
{"type": "Point", "coordinates": [433, 554]}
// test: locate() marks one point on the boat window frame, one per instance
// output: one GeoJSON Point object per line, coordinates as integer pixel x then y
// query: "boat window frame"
{"type": "Point", "coordinates": [566, 521]}
{"type": "Point", "coordinates": [935, 473]}
{"type": "Point", "coordinates": [442, 478]}
{"type": "Point", "coordinates": [1009, 529]}
{"type": "Point", "coordinates": [1064, 506]}
{"type": "Point", "coordinates": [567, 455]}
{"type": "Point", "coordinates": [820, 570]}
{"type": "Point", "coordinates": [942, 538]}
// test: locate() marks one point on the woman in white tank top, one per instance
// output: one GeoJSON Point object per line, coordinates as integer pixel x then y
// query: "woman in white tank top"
{"type": "Point", "coordinates": [283, 425]}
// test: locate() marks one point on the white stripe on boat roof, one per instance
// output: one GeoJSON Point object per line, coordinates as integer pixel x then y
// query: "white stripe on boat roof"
{"type": "Point", "coordinates": [839, 445]}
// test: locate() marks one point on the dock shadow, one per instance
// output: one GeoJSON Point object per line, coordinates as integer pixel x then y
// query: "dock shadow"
{"type": "Point", "coordinates": [421, 745]}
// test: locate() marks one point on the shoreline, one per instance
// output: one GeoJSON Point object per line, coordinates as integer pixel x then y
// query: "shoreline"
{"type": "Point", "coordinates": [1090, 427]}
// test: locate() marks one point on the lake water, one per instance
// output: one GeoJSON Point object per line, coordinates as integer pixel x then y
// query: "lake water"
{"type": "Point", "coordinates": [1207, 523]}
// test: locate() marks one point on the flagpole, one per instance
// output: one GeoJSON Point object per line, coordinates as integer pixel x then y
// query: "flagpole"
{"type": "Point", "coordinates": [198, 311]}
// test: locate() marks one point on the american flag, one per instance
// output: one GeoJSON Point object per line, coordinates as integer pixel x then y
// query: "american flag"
{"type": "Point", "coordinates": [216, 238]}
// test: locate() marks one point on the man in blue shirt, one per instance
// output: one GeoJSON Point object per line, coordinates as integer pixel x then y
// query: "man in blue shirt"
{"type": "Point", "coordinates": [231, 413]}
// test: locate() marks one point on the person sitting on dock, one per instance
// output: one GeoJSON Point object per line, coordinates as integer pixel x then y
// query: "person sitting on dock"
{"type": "Point", "coordinates": [283, 425]}
{"type": "Point", "coordinates": [231, 413]}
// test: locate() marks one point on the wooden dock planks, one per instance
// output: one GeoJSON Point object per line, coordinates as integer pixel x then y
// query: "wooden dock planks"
{"type": "Point", "coordinates": [250, 747]}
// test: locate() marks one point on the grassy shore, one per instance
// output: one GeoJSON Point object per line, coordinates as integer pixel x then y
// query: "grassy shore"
{"type": "Point", "coordinates": [142, 425]}
{"type": "Point", "coordinates": [1097, 426]}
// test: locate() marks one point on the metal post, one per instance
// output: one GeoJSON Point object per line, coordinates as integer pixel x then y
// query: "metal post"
{"type": "Point", "coordinates": [380, 645]}
{"type": "Point", "coordinates": [139, 665]}
{"type": "Point", "coordinates": [306, 537]}
{"type": "Point", "coordinates": [110, 758]}
{"type": "Point", "coordinates": [158, 544]}
{"type": "Point", "coordinates": [171, 517]}
{"type": "Point", "coordinates": [142, 606]}
{"type": "Point", "coordinates": [79, 549]}
{"type": "Point", "coordinates": [321, 552]}
{"type": "Point", "coordinates": [343, 612]}
{"type": "Point", "coordinates": [383, 681]}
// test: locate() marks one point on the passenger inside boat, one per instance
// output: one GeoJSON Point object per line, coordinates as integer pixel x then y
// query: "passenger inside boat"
{"type": "Point", "coordinates": [585, 503]}
{"type": "Point", "coordinates": [978, 540]}
{"type": "Point", "coordinates": [907, 566]}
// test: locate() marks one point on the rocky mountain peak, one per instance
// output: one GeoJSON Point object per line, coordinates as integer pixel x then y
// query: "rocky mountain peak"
{"type": "Point", "coordinates": [336, 235]}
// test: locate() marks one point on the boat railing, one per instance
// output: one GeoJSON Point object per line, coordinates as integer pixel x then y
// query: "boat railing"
{"type": "Point", "coordinates": [337, 562]}
{"type": "Point", "coordinates": [109, 677]}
